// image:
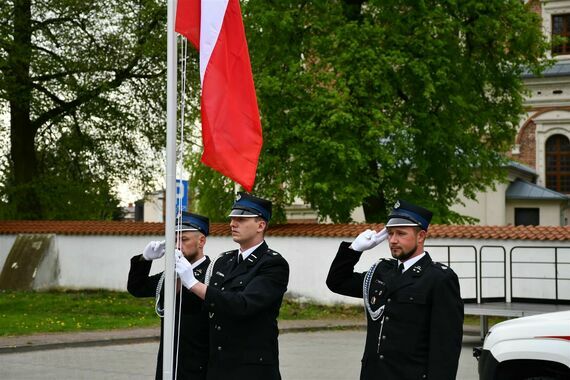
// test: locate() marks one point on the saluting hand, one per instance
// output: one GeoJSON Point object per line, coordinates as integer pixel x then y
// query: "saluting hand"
{"type": "Point", "coordinates": [184, 270]}
{"type": "Point", "coordinates": [154, 250]}
{"type": "Point", "coordinates": [368, 240]}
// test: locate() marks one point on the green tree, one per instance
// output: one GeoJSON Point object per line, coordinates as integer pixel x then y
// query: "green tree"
{"type": "Point", "coordinates": [210, 193]}
{"type": "Point", "coordinates": [363, 102]}
{"type": "Point", "coordinates": [84, 84]}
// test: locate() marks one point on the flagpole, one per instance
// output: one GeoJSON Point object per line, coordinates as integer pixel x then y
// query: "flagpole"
{"type": "Point", "coordinates": [169, 279]}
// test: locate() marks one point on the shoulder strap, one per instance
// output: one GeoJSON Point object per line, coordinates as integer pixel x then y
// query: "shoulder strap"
{"type": "Point", "coordinates": [210, 270]}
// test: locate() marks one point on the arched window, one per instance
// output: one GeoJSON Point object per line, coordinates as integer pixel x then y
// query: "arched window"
{"type": "Point", "coordinates": [558, 163]}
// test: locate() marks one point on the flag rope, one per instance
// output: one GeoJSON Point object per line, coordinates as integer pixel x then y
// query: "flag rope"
{"type": "Point", "coordinates": [183, 45]}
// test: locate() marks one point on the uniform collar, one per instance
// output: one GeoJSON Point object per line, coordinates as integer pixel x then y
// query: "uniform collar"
{"type": "Point", "coordinates": [248, 251]}
{"type": "Point", "coordinates": [412, 261]}
{"type": "Point", "coordinates": [200, 261]}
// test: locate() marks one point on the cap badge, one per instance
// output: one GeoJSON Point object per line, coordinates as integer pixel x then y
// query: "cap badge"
{"type": "Point", "coordinates": [238, 197]}
{"type": "Point", "coordinates": [397, 204]}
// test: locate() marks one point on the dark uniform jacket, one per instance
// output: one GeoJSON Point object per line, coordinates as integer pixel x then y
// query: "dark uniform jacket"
{"type": "Point", "coordinates": [418, 335]}
{"type": "Point", "coordinates": [243, 303]}
{"type": "Point", "coordinates": [193, 350]}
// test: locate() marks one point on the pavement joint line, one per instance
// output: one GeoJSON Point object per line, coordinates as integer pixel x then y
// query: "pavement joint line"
{"type": "Point", "coordinates": [28, 343]}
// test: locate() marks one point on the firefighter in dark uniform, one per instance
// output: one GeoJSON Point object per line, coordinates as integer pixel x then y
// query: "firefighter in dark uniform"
{"type": "Point", "coordinates": [243, 296]}
{"type": "Point", "coordinates": [413, 304]}
{"type": "Point", "coordinates": [193, 339]}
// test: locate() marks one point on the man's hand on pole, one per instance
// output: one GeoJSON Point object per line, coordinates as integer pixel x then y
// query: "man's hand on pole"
{"type": "Point", "coordinates": [184, 270]}
{"type": "Point", "coordinates": [368, 240]}
{"type": "Point", "coordinates": [154, 250]}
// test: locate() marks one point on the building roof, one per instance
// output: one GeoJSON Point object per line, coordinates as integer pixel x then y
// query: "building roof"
{"type": "Point", "coordinates": [550, 233]}
{"type": "Point", "coordinates": [524, 190]}
{"type": "Point", "coordinates": [559, 69]}
{"type": "Point", "coordinates": [523, 168]}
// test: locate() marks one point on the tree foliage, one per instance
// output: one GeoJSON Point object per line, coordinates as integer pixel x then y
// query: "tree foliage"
{"type": "Point", "coordinates": [84, 84]}
{"type": "Point", "coordinates": [364, 102]}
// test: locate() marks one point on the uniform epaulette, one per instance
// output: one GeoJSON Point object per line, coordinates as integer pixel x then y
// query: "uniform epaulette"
{"type": "Point", "coordinates": [440, 265]}
{"type": "Point", "coordinates": [272, 252]}
{"type": "Point", "coordinates": [228, 252]}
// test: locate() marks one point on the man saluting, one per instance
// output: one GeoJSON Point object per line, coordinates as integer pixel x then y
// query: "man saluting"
{"type": "Point", "coordinates": [413, 305]}
{"type": "Point", "coordinates": [192, 345]}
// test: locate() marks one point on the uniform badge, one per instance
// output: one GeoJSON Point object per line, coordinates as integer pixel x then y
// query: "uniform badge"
{"type": "Point", "coordinates": [238, 197]}
{"type": "Point", "coordinates": [397, 204]}
{"type": "Point", "coordinates": [417, 269]}
{"type": "Point", "coordinates": [197, 272]}
{"type": "Point", "coordinates": [372, 300]}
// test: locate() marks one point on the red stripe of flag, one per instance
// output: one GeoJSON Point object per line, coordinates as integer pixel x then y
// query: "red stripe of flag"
{"type": "Point", "coordinates": [231, 127]}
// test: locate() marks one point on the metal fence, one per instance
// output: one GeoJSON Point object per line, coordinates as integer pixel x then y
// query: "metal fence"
{"type": "Point", "coordinates": [526, 274]}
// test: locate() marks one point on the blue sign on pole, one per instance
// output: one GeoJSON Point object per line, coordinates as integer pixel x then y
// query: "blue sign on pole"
{"type": "Point", "coordinates": [182, 194]}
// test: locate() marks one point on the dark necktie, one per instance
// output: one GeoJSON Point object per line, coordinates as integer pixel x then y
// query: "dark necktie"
{"type": "Point", "coordinates": [401, 268]}
{"type": "Point", "coordinates": [240, 258]}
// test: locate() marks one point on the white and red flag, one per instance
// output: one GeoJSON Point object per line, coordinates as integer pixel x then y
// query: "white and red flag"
{"type": "Point", "coordinates": [231, 128]}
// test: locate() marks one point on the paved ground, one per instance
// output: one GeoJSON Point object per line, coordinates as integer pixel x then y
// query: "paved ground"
{"type": "Point", "coordinates": [305, 354]}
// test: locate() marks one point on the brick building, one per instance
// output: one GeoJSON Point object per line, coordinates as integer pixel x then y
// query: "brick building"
{"type": "Point", "coordinates": [538, 188]}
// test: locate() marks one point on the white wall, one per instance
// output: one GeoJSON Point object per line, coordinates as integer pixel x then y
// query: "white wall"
{"type": "Point", "coordinates": [488, 207]}
{"type": "Point", "coordinates": [549, 212]}
{"type": "Point", "coordinates": [103, 262]}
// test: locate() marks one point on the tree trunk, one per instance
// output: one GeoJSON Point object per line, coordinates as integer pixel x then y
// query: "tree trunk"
{"type": "Point", "coordinates": [23, 195]}
{"type": "Point", "coordinates": [375, 208]}
{"type": "Point", "coordinates": [353, 9]}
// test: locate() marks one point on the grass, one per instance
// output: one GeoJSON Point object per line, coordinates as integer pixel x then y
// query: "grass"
{"type": "Point", "coordinates": [27, 312]}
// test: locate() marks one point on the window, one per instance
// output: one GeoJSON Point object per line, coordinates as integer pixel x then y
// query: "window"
{"type": "Point", "coordinates": [558, 163]}
{"type": "Point", "coordinates": [561, 28]}
{"type": "Point", "coordinates": [527, 217]}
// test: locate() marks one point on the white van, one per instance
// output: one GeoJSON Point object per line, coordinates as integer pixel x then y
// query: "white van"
{"type": "Point", "coordinates": [527, 348]}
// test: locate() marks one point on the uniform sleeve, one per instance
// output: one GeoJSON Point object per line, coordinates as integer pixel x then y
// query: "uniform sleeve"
{"type": "Point", "coordinates": [341, 278]}
{"type": "Point", "coordinates": [139, 283]}
{"type": "Point", "coordinates": [264, 290]}
{"type": "Point", "coordinates": [446, 330]}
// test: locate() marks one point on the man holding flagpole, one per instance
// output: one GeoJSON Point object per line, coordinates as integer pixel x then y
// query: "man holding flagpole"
{"type": "Point", "coordinates": [192, 342]}
{"type": "Point", "coordinates": [243, 297]}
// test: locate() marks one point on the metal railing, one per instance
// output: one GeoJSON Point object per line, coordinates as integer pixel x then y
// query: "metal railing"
{"type": "Point", "coordinates": [547, 279]}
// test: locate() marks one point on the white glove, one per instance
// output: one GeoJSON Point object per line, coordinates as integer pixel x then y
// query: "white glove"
{"type": "Point", "coordinates": [184, 270]}
{"type": "Point", "coordinates": [368, 240]}
{"type": "Point", "coordinates": [154, 250]}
